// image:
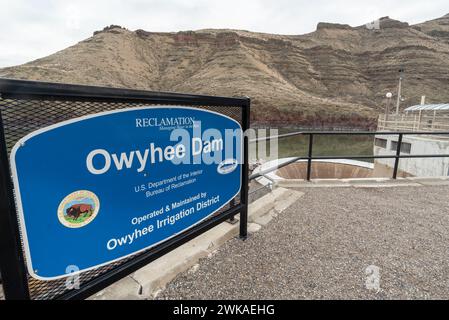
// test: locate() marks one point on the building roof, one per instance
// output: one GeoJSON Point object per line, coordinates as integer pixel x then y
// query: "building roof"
{"type": "Point", "coordinates": [429, 107]}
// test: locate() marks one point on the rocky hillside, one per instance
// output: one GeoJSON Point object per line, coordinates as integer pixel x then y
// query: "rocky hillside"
{"type": "Point", "coordinates": [337, 75]}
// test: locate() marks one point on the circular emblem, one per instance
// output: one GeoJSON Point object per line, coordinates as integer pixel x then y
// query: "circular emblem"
{"type": "Point", "coordinates": [227, 166]}
{"type": "Point", "coordinates": [78, 209]}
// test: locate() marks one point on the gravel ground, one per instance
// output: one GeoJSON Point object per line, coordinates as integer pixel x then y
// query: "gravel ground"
{"type": "Point", "coordinates": [320, 248]}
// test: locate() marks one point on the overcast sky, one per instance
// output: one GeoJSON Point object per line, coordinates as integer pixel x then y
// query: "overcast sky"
{"type": "Point", "coordinates": [31, 29]}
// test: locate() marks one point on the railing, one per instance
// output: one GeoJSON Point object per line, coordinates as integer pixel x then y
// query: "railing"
{"type": "Point", "coordinates": [310, 157]}
{"type": "Point", "coordinates": [413, 122]}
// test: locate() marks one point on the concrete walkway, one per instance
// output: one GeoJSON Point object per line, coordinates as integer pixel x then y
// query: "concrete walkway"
{"type": "Point", "coordinates": [330, 244]}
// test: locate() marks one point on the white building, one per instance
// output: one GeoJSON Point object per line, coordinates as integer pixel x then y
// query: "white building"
{"type": "Point", "coordinates": [427, 118]}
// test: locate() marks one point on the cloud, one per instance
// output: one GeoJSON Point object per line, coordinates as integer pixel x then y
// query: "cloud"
{"type": "Point", "coordinates": [36, 28]}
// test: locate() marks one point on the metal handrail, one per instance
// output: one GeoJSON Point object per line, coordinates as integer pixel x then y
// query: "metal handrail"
{"type": "Point", "coordinates": [310, 156]}
{"type": "Point", "coordinates": [286, 135]}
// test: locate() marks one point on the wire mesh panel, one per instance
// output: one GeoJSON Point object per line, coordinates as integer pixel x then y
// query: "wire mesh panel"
{"type": "Point", "coordinates": [26, 113]}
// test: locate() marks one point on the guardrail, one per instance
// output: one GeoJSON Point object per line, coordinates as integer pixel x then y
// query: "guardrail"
{"type": "Point", "coordinates": [413, 122]}
{"type": "Point", "coordinates": [310, 157]}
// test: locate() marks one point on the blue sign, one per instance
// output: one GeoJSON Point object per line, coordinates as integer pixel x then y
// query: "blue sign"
{"type": "Point", "coordinates": [96, 189]}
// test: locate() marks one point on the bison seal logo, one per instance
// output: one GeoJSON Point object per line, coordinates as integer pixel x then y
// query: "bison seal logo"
{"type": "Point", "coordinates": [78, 209]}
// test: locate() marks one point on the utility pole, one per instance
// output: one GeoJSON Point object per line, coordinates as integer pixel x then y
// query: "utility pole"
{"type": "Point", "coordinates": [387, 107]}
{"type": "Point", "coordinates": [398, 102]}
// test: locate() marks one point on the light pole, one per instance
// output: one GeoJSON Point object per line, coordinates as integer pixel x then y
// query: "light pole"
{"type": "Point", "coordinates": [389, 95]}
{"type": "Point", "coordinates": [398, 101]}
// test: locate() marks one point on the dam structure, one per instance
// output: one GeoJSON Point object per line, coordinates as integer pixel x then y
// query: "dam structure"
{"type": "Point", "coordinates": [412, 144]}
{"type": "Point", "coordinates": [432, 118]}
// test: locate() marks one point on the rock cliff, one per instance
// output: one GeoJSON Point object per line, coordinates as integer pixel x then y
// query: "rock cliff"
{"type": "Point", "coordinates": [335, 76]}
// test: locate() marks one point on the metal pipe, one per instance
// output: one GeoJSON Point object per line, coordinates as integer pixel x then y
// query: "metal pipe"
{"type": "Point", "coordinates": [245, 178]}
{"type": "Point", "coordinates": [355, 132]}
{"type": "Point", "coordinates": [309, 157]}
{"type": "Point", "coordinates": [349, 133]}
{"type": "Point", "coordinates": [398, 101]}
{"type": "Point", "coordinates": [263, 187]}
{"type": "Point", "coordinates": [398, 154]}
{"type": "Point", "coordinates": [263, 172]}
{"type": "Point", "coordinates": [280, 136]}
{"type": "Point", "coordinates": [410, 156]}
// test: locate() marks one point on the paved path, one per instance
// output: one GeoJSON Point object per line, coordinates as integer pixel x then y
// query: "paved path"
{"type": "Point", "coordinates": [320, 248]}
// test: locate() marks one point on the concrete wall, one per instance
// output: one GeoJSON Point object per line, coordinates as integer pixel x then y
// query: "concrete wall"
{"type": "Point", "coordinates": [324, 170]}
{"type": "Point", "coordinates": [419, 167]}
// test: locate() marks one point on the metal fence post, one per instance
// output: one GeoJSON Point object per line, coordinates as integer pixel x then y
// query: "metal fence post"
{"type": "Point", "coordinates": [232, 219]}
{"type": "Point", "coordinates": [398, 153]}
{"type": "Point", "coordinates": [12, 265]}
{"type": "Point", "coordinates": [245, 172]}
{"type": "Point", "coordinates": [309, 158]}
